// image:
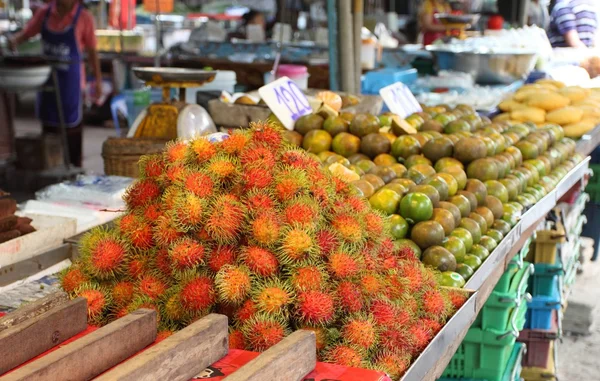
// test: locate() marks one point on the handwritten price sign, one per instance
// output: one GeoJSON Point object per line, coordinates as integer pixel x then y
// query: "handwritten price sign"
{"type": "Point", "coordinates": [286, 101]}
{"type": "Point", "coordinates": [400, 100]}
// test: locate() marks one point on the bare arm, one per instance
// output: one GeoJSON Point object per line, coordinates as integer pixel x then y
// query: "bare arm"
{"type": "Point", "coordinates": [572, 39]}
{"type": "Point", "coordinates": [427, 24]}
{"type": "Point", "coordinates": [94, 62]}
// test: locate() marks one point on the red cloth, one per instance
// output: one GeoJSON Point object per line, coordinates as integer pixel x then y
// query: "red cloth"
{"type": "Point", "coordinates": [121, 14]}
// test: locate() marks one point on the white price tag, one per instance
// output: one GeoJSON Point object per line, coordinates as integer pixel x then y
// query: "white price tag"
{"type": "Point", "coordinates": [286, 101]}
{"type": "Point", "coordinates": [400, 100]}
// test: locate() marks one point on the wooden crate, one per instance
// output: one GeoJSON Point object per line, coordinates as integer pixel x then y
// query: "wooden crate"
{"type": "Point", "coordinates": [39, 152]}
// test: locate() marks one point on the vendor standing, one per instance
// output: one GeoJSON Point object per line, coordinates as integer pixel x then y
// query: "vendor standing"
{"type": "Point", "coordinates": [67, 31]}
{"type": "Point", "coordinates": [573, 23]}
{"type": "Point", "coordinates": [431, 28]}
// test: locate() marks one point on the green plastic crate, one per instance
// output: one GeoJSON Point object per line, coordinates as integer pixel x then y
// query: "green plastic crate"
{"type": "Point", "coordinates": [504, 283]}
{"type": "Point", "coordinates": [543, 281]}
{"type": "Point", "coordinates": [512, 371]}
{"type": "Point", "coordinates": [593, 187]}
{"type": "Point", "coordinates": [485, 354]}
{"type": "Point", "coordinates": [496, 312]}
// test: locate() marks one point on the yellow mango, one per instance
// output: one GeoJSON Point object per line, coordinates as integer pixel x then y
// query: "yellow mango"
{"type": "Point", "coordinates": [548, 101]}
{"type": "Point", "coordinates": [529, 114]}
{"type": "Point", "coordinates": [565, 115]}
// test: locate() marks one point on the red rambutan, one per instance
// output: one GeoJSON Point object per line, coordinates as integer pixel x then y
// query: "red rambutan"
{"type": "Point", "coordinates": [127, 223]}
{"type": "Point", "coordinates": [142, 192]}
{"type": "Point", "coordinates": [151, 166]}
{"type": "Point", "coordinates": [457, 298]}
{"type": "Point", "coordinates": [163, 263]}
{"type": "Point", "coordinates": [315, 307]}
{"type": "Point", "coordinates": [72, 278]}
{"type": "Point", "coordinates": [348, 228]}
{"type": "Point", "coordinates": [199, 184]}
{"type": "Point", "coordinates": [175, 152]}
{"type": "Point", "coordinates": [151, 286]}
{"type": "Point", "coordinates": [394, 363]}
{"type": "Point", "coordinates": [188, 211]}
{"type": "Point", "coordinates": [267, 134]}
{"type": "Point", "coordinates": [175, 173]}
{"type": "Point", "coordinates": [327, 241]}
{"type": "Point", "coordinates": [422, 335]}
{"type": "Point", "coordinates": [260, 261]}
{"type": "Point", "coordinates": [258, 156]}
{"type": "Point", "coordinates": [288, 187]}
{"type": "Point", "coordinates": [97, 301]}
{"type": "Point", "coordinates": [358, 205]}
{"type": "Point", "coordinates": [433, 325]}
{"type": "Point", "coordinates": [386, 247]}
{"type": "Point", "coordinates": [202, 149]}
{"type": "Point", "coordinates": [349, 297]}
{"type": "Point", "coordinates": [198, 294]}
{"type": "Point", "coordinates": [345, 355]}
{"type": "Point", "coordinates": [257, 178]}
{"type": "Point", "coordinates": [141, 235]}
{"type": "Point", "coordinates": [122, 293]}
{"type": "Point", "coordinates": [165, 232]}
{"type": "Point", "coordinates": [225, 218]}
{"type": "Point", "coordinates": [187, 253]}
{"type": "Point", "coordinates": [235, 144]}
{"type": "Point", "coordinates": [298, 159]}
{"type": "Point", "coordinates": [233, 284]}
{"type": "Point", "coordinates": [307, 278]}
{"type": "Point", "coordinates": [433, 304]}
{"type": "Point", "coordinates": [341, 187]}
{"type": "Point", "coordinates": [104, 253]}
{"type": "Point", "coordinates": [374, 225]}
{"type": "Point", "coordinates": [371, 284]}
{"type": "Point", "coordinates": [410, 304]}
{"type": "Point", "coordinates": [236, 339]}
{"type": "Point", "coordinates": [246, 311]}
{"type": "Point", "coordinates": [136, 266]}
{"type": "Point", "coordinates": [272, 297]}
{"type": "Point", "coordinates": [262, 332]}
{"type": "Point", "coordinates": [360, 331]}
{"type": "Point", "coordinates": [301, 213]}
{"type": "Point", "coordinates": [221, 256]}
{"type": "Point", "coordinates": [413, 273]}
{"type": "Point", "coordinates": [265, 228]}
{"type": "Point", "coordinates": [296, 245]}
{"type": "Point", "coordinates": [384, 312]}
{"type": "Point", "coordinates": [342, 265]}
{"type": "Point", "coordinates": [259, 202]}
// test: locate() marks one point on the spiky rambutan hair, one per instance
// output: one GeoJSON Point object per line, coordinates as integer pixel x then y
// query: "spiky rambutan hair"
{"type": "Point", "coordinates": [262, 331]}
{"type": "Point", "coordinates": [233, 284]}
{"type": "Point", "coordinates": [103, 253]}
{"type": "Point", "coordinates": [345, 355]}
{"type": "Point", "coordinates": [273, 297]}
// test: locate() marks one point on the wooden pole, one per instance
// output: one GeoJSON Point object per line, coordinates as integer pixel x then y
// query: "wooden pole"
{"type": "Point", "coordinates": [358, 19]}
{"type": "Point", "coordinates": [346, 53]}
{"type": "Point", "coordinates": [332, 35]}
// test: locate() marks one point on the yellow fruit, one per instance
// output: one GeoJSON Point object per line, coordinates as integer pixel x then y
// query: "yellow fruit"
{"type": "Point", "coordinates": [565, 115]}
{"type": "Point", "coordinates": [331, 99]}
{"type": "Point", "coordinates": [577, 130]}
{"type": "Point", "coordinates": [552, 82]}
{"type": "Point", "coordinates": [525, 92]}
{"type": "Point", "coordinates": [547, 101]}
{"type": "Point", "coordinates": [589, 111]}
{"type": "Point", "coordinates": [529, 114]}
{"type": "Point", "coordinates": [501, 117]}
{"type": "Point", "coordinates": [575, 93]}
{"type": "Point", "coordinates": [508, 105]}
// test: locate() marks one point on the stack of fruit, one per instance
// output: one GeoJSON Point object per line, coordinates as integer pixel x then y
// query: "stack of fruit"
{"type": "Point", "coordinates": [576, 109]}
{"type": "Point", "coordinates": [455, 188]}
{"type": "Point", "coordinates": [255, 229]}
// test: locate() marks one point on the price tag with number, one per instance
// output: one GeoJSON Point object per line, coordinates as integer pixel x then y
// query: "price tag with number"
{"type": "Point", "coordinates": [400, 100]}
{"type": "Point", "coordinates": [286, 101]}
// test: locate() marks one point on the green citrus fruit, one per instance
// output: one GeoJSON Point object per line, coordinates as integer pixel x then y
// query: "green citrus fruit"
{"type": "Point", "coordinates": [416, 207]}
{"type": "Point", "coordinates": [398, 226]}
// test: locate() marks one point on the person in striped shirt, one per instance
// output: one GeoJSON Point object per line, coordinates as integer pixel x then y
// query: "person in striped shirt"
{"type": "Point", "coordinates": [573, 23]}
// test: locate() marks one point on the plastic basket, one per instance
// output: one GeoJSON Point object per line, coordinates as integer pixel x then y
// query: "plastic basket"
{"type": "Point", "coordinates": [497, 311]}
{"type": "Point", "coordinates": [538, 344]}
{"type": "Point", "coordinates": [484, 354]}
{"type": "Point", "coordinates": [592, 228]}
{"type": "Point", "coordinates": [545, 373]}
{"type": "Point", "coordinates": [539, 310]}
{"type": "Point", "coordinates": [593, 186]}
{"type": "Point", "coordinates": [543, 281]}
{"type": "Point", "coordinates": [504, 283]}
{"type": "Point", "coordinates": [546, 246]}
{"type": "Point", "coordinates": [512, 371]}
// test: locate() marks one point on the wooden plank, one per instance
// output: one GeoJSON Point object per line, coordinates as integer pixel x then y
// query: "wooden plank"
{"type": "Point", "coordinates": [91, 355]}
{"type": "Point", "coordinates": [21, 270]}
{"type": "Point", "coordinates": [290, 360]}
{"type": "Point", "coordinates": [31, 310]}
{"type": "Point", "coordinates": [36, 335]}
{"type": "Point", "coordinates": [180, 356]}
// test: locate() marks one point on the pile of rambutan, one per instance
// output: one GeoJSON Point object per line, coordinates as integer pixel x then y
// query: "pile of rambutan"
{"type": "Point", "coordinates": [255, 229]}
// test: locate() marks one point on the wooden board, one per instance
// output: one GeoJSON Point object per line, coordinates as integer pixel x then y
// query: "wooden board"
{"type": "Point", "coordinates": [34, 336]}
{"type": "Point", "coordinates": [180, 356]}
{"type": "Point", "coordinates": [51, 231]}
{"type": "Point", "coordinates": [290, 360]}
{"type": "Point", "coordinates": [31, 310]}
{"type": "Point", "coordinates": [91, 355]}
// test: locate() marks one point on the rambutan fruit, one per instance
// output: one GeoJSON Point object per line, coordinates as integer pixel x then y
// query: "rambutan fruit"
{"type": "Point", "coordinates": [151, 286]}
{"type": "Point", "coordinates": [202, 149]}
{"type": "Point", "coordinates": [199, 183]}
{"type": "Point", "coordinates": [233, 284]}
{"type": "Point", "coordinates": [342, 264]}
{"type": "Point", "coordinates": [412, 272]}
{"type": "Point", "coordinates": [236, 143]}
{"type": "Point", "coordinates": [394, 363]}
{"type": "Point", "coordinates": [263, 331]}
{"type": "Point", "coordinates": [265, 133]}
{"type": "Point", "coordinates": [345, 355]}
{"type": "Point", "coordinates": [327, 241]}
{"type": "Point", "coordinates": [315, 307]}
{"type": "Point", "coordinates": [302, 212]}
{"type": "Point", "coordinates": [104, 253]}
{"type": "Point", "coordinates": [260, 261]}
{"type": "Point", "coordinates": [296, 245]}
{"type": "Point", "coordinates": [127, 223]}
{"type": "Point", "coordinates": [258, 156]}
{"type": "Point", "coordinates": [163, 334]}
{"type": "Point", "coordinates": [72, 278]}
{"type": "Point", "coordinates": [175, 152]}
{"type": "Point", "coordinates": [221, 256]}
{"type": "Point", "coordinates": [151, 166]}
{"type": "Point", "coordinates": [298, 159]}
{"type": "Point", "coordinates": [187, 253]}
{"type": "Point", "coordinates": [371, 284]}
{"type": "Point", "coordinates": [341, 187]}
{"type": "Point", "coordinates": [374, 225]}
{"type": "Point", "coordinates": [389, 262]}
{"type": "Point", "coordinates": [98, 301]}
{"type": "Point", "coordinates": [272, 297]}
{"type": "Point", "coordinates": [163, 263]}
{"type": "Point", "coordinates": [422, 335]}
{"type": "Point", "coordinates": [259, 201]}
{"type": "Point", "coordinates": [360, 331]}
{"type": "Point", "coordinates": [386, 248]}
{"type": "Point", "coordinates": [410, 304]}
{"type": "Point", "coordinates": [257, 178]}
{"type": "Point", "coordinates": [225, 219]}
{"type": "Point", "coordinates": [142, 192]}
{"type": "Point", "coordinates": [320, 194]}
{"type": "Point", "coordinates": [141, 235]}
{"type": "Point", "coordinates": [173, 309]}
{"type": "Point", "coordinates": [406, 253]}
{"type": "Point", "coordinates": [122, 293]}
{"type": "Point", "coordinates": [349, 297]}
{"type": "Point", "coordinates": [236, 339]}
{"type": "Point", "coordinates": [188, 211]}
{"type": "Point", "coordinates": [433, 304]}
{"type": "Point", "coordinates": [384, 312]}
{"type": "Point", "coordinates": [175, 174]}
{"type": "Point", "coordinates": [321, 336]}
{"type": "Point", "coordinates": [143, 301]}
{"type": "Point", "coordinates": [433, 325]}
{"type": "Point", "coordinates": [290, 183]}
{"type": "Point", "coordinates": [404, 318]}
{"type": "Point", "coordinates": [358, 205]}
{"type": "Point", "coordinates": [348, 228]}
{"type": "Point", "coordinates": [197, 293]}
{"type": "Point", "coordinates": [396, 285]}
{"type": "Point", "coordinates": [265, 228]}
{"type": "Point", "coordinates": [223, 167]}
{"type": "Point", "coordinates": [169, 196]}
{"type": "Point", "coordinates": [136, 266]}
{"type": "Point", "coordinates": [246, 311]}
{"type": "Point", "coordinates": [456, 298]}
{"type": "Point", "coordinates": [307, 278]}
{"type": "Point", "coordinates": [397, 339]}
{"type": "Point", "coordinates": [165, 232]}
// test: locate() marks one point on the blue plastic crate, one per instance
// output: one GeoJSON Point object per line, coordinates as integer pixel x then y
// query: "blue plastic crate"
{"type": "Point", "coordinates": [539, 310]}
{"type": "Point", "coordinates": [544, 280]}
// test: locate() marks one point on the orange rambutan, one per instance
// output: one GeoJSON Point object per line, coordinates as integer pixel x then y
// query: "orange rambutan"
{"type": "Point", "coordinates": [389, 262]}
{"type": "Point", "coordinates": [72, 278]}
{"type": "Point", "coordinates": [412, 272]}
{"type": "Point", "coordinates": [349, 297]}
{"type": "Point", "coordinates": [188, 211]}
{"type": "Point", "coordinates": [236, 339]}
{"type": "Point", "coordinates": [315, 307]}
{"type": "Point", "coordinates": [296, 245]}
{"type": "Point", "coordinates": [223, 167]}
{"type": "Point", "coordinates": [198, 294]}
{"type": "Point", "coordinates": [122, 293]}
{"type": "Point", "coordinates": [265, 228]}
{"type": "Point", "coordinates": [410, 304]}
{"type": "Point", "coordinates": [345, 355]}
{"type": "Point", "coordinates": [394, 363]}
{"type": "Point", "coordinates": [151, 166]}
{"type": "Point", "coordinates": [257, 178]}
{"type": "Point", "coordinates": [288, 186]}
{"type": "Point", "coordinates": [374, 225]}
{"type": "Point", "coordinates": [141, 235]}
{"type": "Point", "coordinates": [199, 183]}
{"type": "Point", "coordinates": [175, 173]}
{"type": "Point", "coordinates": [163, 263]}
{"type": "Point", "coordinates": [433, 325]}
{"type": "Point", "coordinates": [433, 304]}
{"type": "Point", "coordinates": [267, 134]}
{"type": "Point", "coordinates": [233, 284]}
{"type": "Point", "coordinates": [341, 187]}
{"type": "Point", "coordinates": [165, 232]}
{"type": "Point", "coordinates": [221, 256]}
{"type": "Point", "coordinates": [404, 318]}
{"type": "Point", "coordinates": [235, 144]}
{"type": "Point", "coordinates": [258, 156]}
{"type": "Point", "coordinates": [384, 312]}
{"type": "Point", "coordinates": [187, 253]}
{"type": "Point", "coordinates": [225, 219]}
{"type": "Point", "coordinates": [151, 286]}
{"type": "Point", "coordinates": [457, 298]}
{"type": "Point", "coordinates": [422, 335]}
{"type": "Point", "coordinates": [175, 152]}
{"type": "Point", "coordinates": [259, 201]}
{"type": "Point", "coordinates": [360, 331]}
{"type": "Point", "coordinates": [301, 212]}
{"type": "Point", "coordinates": [348, 228]}
{"type": "Point", "coordinates": [104, 253]}
{"type": "Point", "coordinates": [136, 266]}
{"type": "Point", "coordinates": [245, 312]}
{"type": "Point", "coordinates": [263, 331]}
{"type": "Point", "coordinates": [298, 159]}
{"type": "Point", "coordinates": [371, 284]}
{"type": "Point", "coordinates": [202, 149]}
{"type": "Point", "coordinates": [358, 205]}
{"type": "Point", "coordinates": [307, 278]}
{"type": "Point", "coordinates": [98, 301]}
{"type": "Point", "coordinates": [260, 261]}
{"type": "Point", "coordinates": [152, 212]}
{"type": "Point", "coordinates": [272, 297]}
{"type": "Point", "coordinates": [327, 241]}
{"type": "Point", "coordinates": [127, 223]}
{"type": "Point", "coordinates": [342, 264]}
{"type": "Point", "coordinates": [142, 192]}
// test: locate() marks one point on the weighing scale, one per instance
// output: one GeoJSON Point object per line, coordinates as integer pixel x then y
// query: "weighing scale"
{"type": "Point", "coordinates": [172, 118]}
{"type": "Point", "coordinates": [458, 23]}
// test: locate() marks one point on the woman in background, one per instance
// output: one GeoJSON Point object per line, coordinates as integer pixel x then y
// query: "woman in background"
{"type": "Point", "coordinates": [573, 23]}
{"type": "Point", "coordinates": [431, 28]}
